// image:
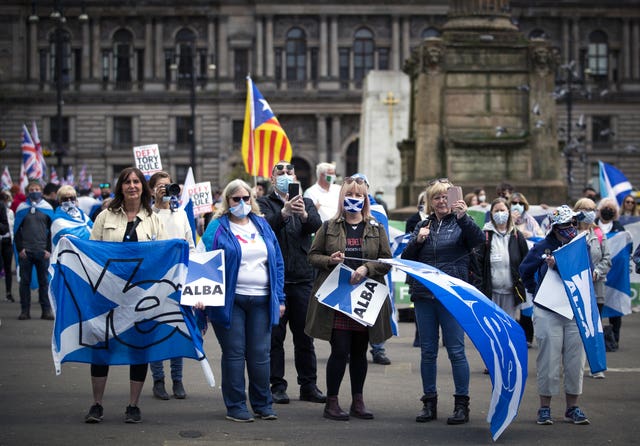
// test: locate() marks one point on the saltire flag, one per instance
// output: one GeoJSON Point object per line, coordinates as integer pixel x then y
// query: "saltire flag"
{"type": "Point", "coordinates": [574, 267]}
{"type": "Point", "coordinates": [30, 160]}
{"type": "Point", "coordinates": [36, 142]}
{"type": "Point", "coordinates": [499, 339]}
{"type": "Point", "coordinates": [116, 304]}
{"type": "Point", "coordinates": [22, 210]}
{"type": "Point", "coordinates": [63, 224]}
{"type": "Point", "coordinates": [186, 204]}
{"type": "Point", "coordinates": [613, 183]}
{"type": "Point", "coordinates": [617, 298]}
{"type": "Point", "coordinates": [264, 141]}
{"type": "Point", "coordinates": [53, 178]}
{"type": "Point", "coordinates": [6, 181]}
{"type": "Point", "coordinates": [398, 244]}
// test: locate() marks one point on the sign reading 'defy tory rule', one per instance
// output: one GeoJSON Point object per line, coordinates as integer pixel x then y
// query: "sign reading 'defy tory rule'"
{"type": "Point", "coordinates": [147, 159]}
{"type": "Point", "coordinates": [200, 194]}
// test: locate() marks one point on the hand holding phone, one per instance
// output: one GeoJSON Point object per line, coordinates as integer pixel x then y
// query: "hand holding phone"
{"type": "Point", "coordinates": [294, 190]}
{"type": "Point", "coordinates": [454, 193]}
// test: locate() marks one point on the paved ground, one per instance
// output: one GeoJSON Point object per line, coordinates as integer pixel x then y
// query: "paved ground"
{"type": "Point", "coordinates": [39, 408]}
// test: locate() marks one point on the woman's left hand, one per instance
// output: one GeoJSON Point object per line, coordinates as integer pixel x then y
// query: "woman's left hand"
{"type": "Point", "coordinates": [359, 275]}
{"type": "Point", "coordinates": [282, 308]}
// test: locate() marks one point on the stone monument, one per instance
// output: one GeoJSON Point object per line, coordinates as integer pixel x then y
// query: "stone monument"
{"type": "Point", "coordinates": [478, 94]}
{"type": "Point", "coordinates": [384, 120]}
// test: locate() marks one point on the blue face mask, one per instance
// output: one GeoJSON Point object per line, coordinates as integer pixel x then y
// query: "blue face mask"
{"type": "Point", "coordinates": [35, 196]}
{"type": "Point", "coordinates": [241, 210]}
{"type": "Point", "coordinates": [501, 217]}
{"type": "Point", "coordinates": [517, 208]}
{"type": "Point", "coordinates": [568, 233]}
{"type": "Point", "coordinates": [588, 217]}
{"type": "Point", "coordinates": [353, 204]}
{"type": "Point", "coordinates": [282, 183]}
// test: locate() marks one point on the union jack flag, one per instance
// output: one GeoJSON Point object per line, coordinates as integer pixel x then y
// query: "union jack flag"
{"type": "Point", "coordinates": [53, 177]}
{"type": "Point", "coordinates": [30, 160]}
{"type": "Point", "coordinates": [6, 179]}
{"type": "Point", "coordinates": [38, 146]}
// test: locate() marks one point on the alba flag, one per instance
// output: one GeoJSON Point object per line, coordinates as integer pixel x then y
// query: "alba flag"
{"type": "Point", "coordinates": [264, 142]}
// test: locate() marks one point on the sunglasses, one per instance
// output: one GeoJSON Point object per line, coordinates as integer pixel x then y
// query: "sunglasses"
{"type": "Point", "coordinates": [64, 199]}
{"type": "Point", "coordinates": [567, 225]}
{"type": "Point", "coordinates": [629, 202]}
{"type": "Point", "coordinates": [280, 169]}
{"type": "Point", "coordinates": [245, 198]}
{"type": "Point", "coordinates": [350, 180]}
{"type": "Point", "coordinates": [438, 180]}
{"type": "Point", "coordinates": [516, 202]}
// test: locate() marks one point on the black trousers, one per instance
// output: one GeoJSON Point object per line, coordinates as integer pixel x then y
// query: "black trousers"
{"type": "Point", "coordinates": [6, 251]}
{"type": "Point", "coordinates": [304, 353]}
{"type": "Point", "coordinates": [137, 372]}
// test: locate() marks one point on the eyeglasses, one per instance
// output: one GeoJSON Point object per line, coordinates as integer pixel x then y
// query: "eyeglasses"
{"type": "Point", "coordinates": [280, 169]}
{"type": "Point", "coordinates": [350, 180]}
{"type": "Point", "coordinates": [438, 180]}
{"type": "Point", "coordinates": [64, 199]}
{"type": "Point", "coordinates": [244, 198]}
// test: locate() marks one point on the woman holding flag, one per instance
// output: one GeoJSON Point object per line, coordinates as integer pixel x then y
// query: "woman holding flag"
{"type": "Point", "coordinates": [352, 234]}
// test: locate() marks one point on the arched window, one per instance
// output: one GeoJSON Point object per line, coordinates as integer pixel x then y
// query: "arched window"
{"type": "Point", "coordinates": [363, 50]}
{"type": "Point", "coordinates": [185, 43]}
{"type": "Point", "coordinates": [64, 40]}
{"type": "Point", "coordinates": [296, 53]}
{"type": "Point", "coordinates": [538, 34]}
{"type": "Point", "coordinates": [123, 56]}
{"type": "Point", "coordinates": [597, 57]}
{"type": "Point", "coordinates": [429, 32]}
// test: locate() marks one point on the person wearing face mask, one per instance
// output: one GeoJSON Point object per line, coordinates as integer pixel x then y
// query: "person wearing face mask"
{"type": "Point", "coordinates": [482, 197]}
{"type": "Point", "coordinates": [294, 220]}
{"type": "Point", "coordinates": [32, 243]}
{"type": "Point", "coordinates": [500, 257]}
{"type": "Point", "coordinates": [559, 343]}
{"type": "Point", "coordinates": [519, 207]}
{"type": "Point", "coordinates": [7, 218]}
{"type": "Point", "coordinates": [68, 219]}
{"type": "Point", "coordinates": [607, 221]}
{"type": "Point", "coordinates": [445, 240]}
{"type": "Point", "coordinates": [351, 234]}
{"type": "Point", "coordinates": [254, 300]}
{"type": "Point", "coordinates": [324, 193]}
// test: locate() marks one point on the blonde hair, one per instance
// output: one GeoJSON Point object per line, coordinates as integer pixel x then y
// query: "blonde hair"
{"type": "Point", "coordinates": [582, 203]}
{"type": "Point", "coordinates": [357, 188]}
{"type": "Point", "coordinates": [521, 198]}
{"type": "Point", "coordinates": [439, 187]}
{"type": "Point", "coordinates": [66, 190]}
{"type": "Point", "coordinates": [229, 190]}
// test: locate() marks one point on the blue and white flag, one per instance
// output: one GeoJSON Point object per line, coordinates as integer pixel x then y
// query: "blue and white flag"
{"type": "Point", "coordinates": [573, 264]}
{"type": "Point", "coordinates": [361, 302]}
{"type": "Point", "coordinates": [617, 297]}
{"type": "Point", "coordinates": [63, 224]}
{"type": "Point", "coordinates": [613, 183]}
{"type": "Point", "coordinates": [499, 339]}
{"type": "Point", "coordinates": [116, 304]}
{"type": "Point", "coordinates": [205, 279]}
{"type": "Point", "coordinates": [187, 204]}
{"type": "Point", "coordinates": [398, 244]}
{"type": "Point", "coordinates": [25, 208]}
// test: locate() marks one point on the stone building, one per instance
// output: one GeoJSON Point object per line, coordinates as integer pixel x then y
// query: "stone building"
{"type": "Point", "coordinates": [135, 73]}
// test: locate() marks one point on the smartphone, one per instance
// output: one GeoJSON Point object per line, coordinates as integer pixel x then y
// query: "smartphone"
{"type": "Point", "coordinates": [454, 193]}
{"type": "Point", "coordinates": [294, 190]}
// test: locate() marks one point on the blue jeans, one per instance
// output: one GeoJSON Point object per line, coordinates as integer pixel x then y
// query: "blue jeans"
{"type": "Point", "coordinates": [34, 259]}
{"type": "Point", "coordinates": [430, 315]}
{"type": "Point", "coordinates": [248, 339]}
{"type": "Point", "coordinates": [157, 370]}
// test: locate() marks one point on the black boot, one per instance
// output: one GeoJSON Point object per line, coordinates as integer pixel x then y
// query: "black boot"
{"type": "Point", "coordinates": [358, 409]}
{"type": "Point", "coordinates": [460, 410]}
{"type": "Point", "coordinates": [430, 409]}
{"type": "Point", "coordinates": [333, 411]}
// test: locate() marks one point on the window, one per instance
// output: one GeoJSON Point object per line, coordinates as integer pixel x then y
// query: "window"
{"type": "Point", "coordinates": [296, 54]}
{"type": "Point", "coordinates": [181, 172]}
{"type": "Point", "coordinates": [314, 64]}
{"type": "Point", "coordinates": [43, 66]}
{"type": "Point", "coordinates": [122, 132]}
{"type": "Point", "coordinates": [343, 56]}
{"type": "Point", "coordinates": [53, 125]}
{"type": "Point", "coordinates": [237, 132]}
{"type": "Point", "coordinates": [601, 131]}
{"type": "Point", "coordinates": [77, 55]}
{"type": "Point", "coordinates": [363, 49]}
{"type": "Point", "coordinates": [60, 39]}
{"type": "Point", "coordinates": [185, 41]}
{"type": "Point", "coordinates": [123, 55]}
{"type": "Point", "coordinates": [240, 68]}
{"type": "Point", "coordinates": [105, 66]}
{"type": "Point", "coordinates": [383, 58]}
{"type": "Point", "coordinates": [429, 32]}
{"type": "Point", "coordinates": [140, 66]}
{"type": "Point", "coordinates": [183, 131]}
{"type": "Point", "coordinates": [597, 56]}
{"type": "Point", "coordinates": [278, 66]}
{"type": "Point", "coordinates": [168, 61]}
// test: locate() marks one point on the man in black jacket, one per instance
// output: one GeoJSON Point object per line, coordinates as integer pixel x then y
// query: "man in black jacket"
{"type": "Point", "coordinates": [293, 220]}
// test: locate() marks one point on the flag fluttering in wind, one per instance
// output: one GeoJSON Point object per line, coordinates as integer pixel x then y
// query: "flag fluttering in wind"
{"type": "Point", "coordinates": [70, 179]}
{"type": "Point", "coordinates": [264, 141]}
{"type": "Point", "coordinates": [6, 181]}
{"type": "Point", "coordinates": [38, 146]}
{"type": "Point", "coordinates": [82, 178]}
{"type": "Point", "coordinates": [53, 177]}
{"type": "Point", "coordinates": [613, 183]}
{"type": "Point", "coordinates": [186, 203]}
{"type": "Point", "coordinates": [30, 160]}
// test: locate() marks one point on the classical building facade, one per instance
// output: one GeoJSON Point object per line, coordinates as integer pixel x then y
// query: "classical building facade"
{"type": "Point", "coordinates": [160, 72]}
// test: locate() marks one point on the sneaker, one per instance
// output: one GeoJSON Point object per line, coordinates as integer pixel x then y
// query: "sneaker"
{"type": "Point", "coordinates": [280, 396]}
{"type": "Point", "coordinates": [544, 416]}
{"type": "Point", "coordinates": [132, 415]}
{"type": "Point", "coordinates": [381, 358]}
{"type": "Point", "coordinates": [241, 417]}
{"type": "Point", "coordinates": [576, 416]}
{"type": "Point", "coordinates": [94, 415]}
{"type": "Point", "coordinates": [266, 415]}
{"type": "Point", "coordinates": [599, 375]}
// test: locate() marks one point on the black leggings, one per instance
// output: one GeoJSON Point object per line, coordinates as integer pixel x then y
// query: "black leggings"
{"type": "Point", "coordinates": [6, 251]}
{"type": "Point", "coordinates": [347, 346]}
{"type": "Point", "coordinates": [137, 372]}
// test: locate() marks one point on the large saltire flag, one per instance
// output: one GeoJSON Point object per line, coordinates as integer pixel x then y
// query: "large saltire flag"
{"type": "Point", "coordinates": [617, 297]}
{"type": "Point", "coordinates": [30, 160]}
{"type": "Point", "coordinates": [264, 141]}
{"type": "Point", "coordinates": [613, 183]}
{"type": "Point", "coordinates": [116, 304]}
{"type": "Point", "coordinates": [499, 339]}
{"type": "Point", "coordinates": [573, 265]}
{"type": "Point", "coordinates": [39, 154]}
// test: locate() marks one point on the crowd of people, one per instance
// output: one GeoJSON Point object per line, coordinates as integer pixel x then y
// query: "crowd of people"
{"type": "Point", "coordinates": [281, 244]}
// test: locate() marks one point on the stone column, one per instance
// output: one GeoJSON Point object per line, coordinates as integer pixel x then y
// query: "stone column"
{"type": "Point", "coordinates": [333, 27]}
{"type": "Point", "coordinates": [223, 53]}
{"type": "Point", "coordinates": [321, 122]}
{"type": "Point", "coordinates": [575, 48]}
{"type": "Point", "coordinates": [395, 43]}
{"type": "Point", "coordinates": [211, 53]}
{"type": "Point", "coordinates": [268, 38]}
{"type": "Point", "coordinates": [86, 51]}
{"type": "Point", "coordinates": [324, 48]}
{"type": "Point", "coordinates": [149, 48]}
{"type": "Point", "coordinates": [33, 51]}
{"type": "Point", "coordinates": [626, 48]}
{"type": "Point", "coordinates": [159, 47]}
{"type": "Point", "coordinates": [336, 141]}
{"type": "Point", "coordinates": [96, 55]}
{"type": "Point", "coordinates": [406, 40]}
{"type": "Point", "coordinates": [259, 47]}
{"type": "Point", "coordinates": [566, 50]}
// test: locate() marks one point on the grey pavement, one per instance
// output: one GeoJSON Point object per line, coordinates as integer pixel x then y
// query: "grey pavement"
{"type": "Point", "coordinates": [39, 408]}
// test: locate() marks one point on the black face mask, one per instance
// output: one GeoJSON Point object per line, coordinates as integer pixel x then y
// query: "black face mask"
{"type": "Point", "coordinates": [607, 214]}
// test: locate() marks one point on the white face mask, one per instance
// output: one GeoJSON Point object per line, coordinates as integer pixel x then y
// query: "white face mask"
{"type": "Point", "coordinates": [482, 198]}
{"type": "Point", "coordinates": [68, 206]}
{"type": "Point", "coordinates": [501, 217]}
{"type": "Point", "coordinates": [330, 178]}
{"type": "Point", "coordinates": [241, 210]}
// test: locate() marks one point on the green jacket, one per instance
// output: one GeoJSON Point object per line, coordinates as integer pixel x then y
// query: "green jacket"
{"type": "Point", "coordinates": [331, 237]}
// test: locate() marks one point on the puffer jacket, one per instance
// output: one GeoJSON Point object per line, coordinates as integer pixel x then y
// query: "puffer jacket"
{"type": "Point", "coordinates": [448, 247]}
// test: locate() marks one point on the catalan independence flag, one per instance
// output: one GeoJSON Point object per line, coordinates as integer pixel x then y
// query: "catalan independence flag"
{"type": "Point", "coordinates": [264, 141]}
